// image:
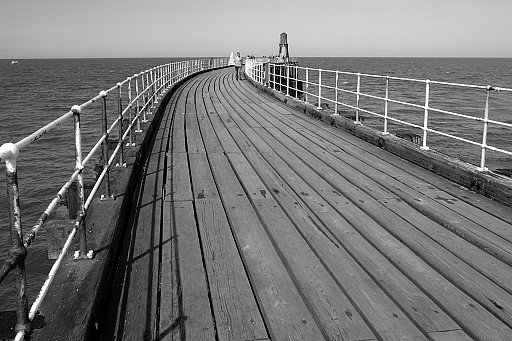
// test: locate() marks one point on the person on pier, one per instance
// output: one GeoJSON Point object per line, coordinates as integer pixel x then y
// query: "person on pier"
{"type": "Point", "coordinates": [238, 65]}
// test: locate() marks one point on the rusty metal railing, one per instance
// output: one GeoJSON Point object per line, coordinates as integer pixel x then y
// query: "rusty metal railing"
{"type": "Point", "coordinates": [323, 86]}
{"type": "Point", "coordinates": [154, 84]}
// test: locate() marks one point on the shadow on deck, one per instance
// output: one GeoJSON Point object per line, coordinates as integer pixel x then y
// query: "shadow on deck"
{"type": "Point", "coordinates": [256, 222]}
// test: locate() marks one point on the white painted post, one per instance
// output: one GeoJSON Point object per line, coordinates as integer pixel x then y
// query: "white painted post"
{"type": "Point", "coordinates": [130, 140]}
{"type": "Point", "coordinates": [358, 97]}
{"type": "Point", "coordinates": [336, 94]}
{"type": "Point", "coordinates": [307, 85]}
{"type": "Point", "coordinates": [274, 78]}
{"type": "Point", "coordinates": [425, 118]}
{"type": "Point", "coordinates": [120, 115]}
{"type": "Point", "coordinates": [81, 194]}
{"type": "Point", "coordinates": [296, 78]}
{"type": "Point", "coordinates": [137, 110]}
{"type": "Point", "coordinates": [287, 80]}
{"type": "Point", "coordinates": [319, 89]}
{"type": "Point", "coordinates": [486, 123]}
{"type": "Point", "coordinates": [386, 108]}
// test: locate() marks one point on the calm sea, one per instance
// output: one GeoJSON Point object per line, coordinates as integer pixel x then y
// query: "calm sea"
{"type": "Point", "coordinates": [35, 92]}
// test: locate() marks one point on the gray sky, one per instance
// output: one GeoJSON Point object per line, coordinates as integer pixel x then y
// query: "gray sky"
{"type": "Point", "coordinates": [178, 28]}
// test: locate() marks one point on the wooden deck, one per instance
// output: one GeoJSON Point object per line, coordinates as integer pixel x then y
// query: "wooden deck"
{"type": "Point", "coordinates": [255, 222]}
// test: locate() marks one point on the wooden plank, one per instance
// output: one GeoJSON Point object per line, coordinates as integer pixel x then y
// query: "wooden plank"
{"type": "Point", "coordinates": [194, 313]}
{"type": "Point", "coordinates": [431, 179]}
{"type": "Point", "coordinates": [455, 301]}
{"type": "Point", "coordinates": [374, 189]}
{"type": "Point", "coordinates": [237, 316]}
{"type": "Point", "coordinates": [377, 319]}
{"type": "Point", "coordinates": [194, 138]}
{"type": "Point", "coordinates": [337, 317]}
{"type": "Point", "coordinates": [285, 313]}
{"type": "Point", "coordinates": [140, 281]}
{"type": "Point", "coordinates": [364, 176]}
{"type": "Point", "coordinates": [404, 185]}
{"type": "Point", "coordinates": [250, 181]}
{"type": "Point", "coordinates": [452, 335]}
{"type": "Point", "coordinates": [178, 144]}
{"type": "Point", "coordinates": [221, 126]}
{"type": "Point", "coordinates": [202, 178]}
{"type": "Point", "coordinates": [178, 179]}
{"type": "Point", "coordinates": [204, 110]}
{"type": "Point", "coordinates": [496, 270]}
{"type": "Point", "coordinates": [455, 211]}
{"type": "Point", "coordinates": [171, 319]}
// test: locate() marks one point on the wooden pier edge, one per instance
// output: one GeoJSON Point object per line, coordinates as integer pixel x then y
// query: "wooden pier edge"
{"type": "Point", "coordinates": [487, 183]}
{"type": "Point", "coordinates": [72, 309]}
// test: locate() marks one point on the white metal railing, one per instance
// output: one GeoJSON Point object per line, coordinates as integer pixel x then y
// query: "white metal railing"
{"type": "Point", "coordinates": [146, 87]}
{"type": "Point", "coordinates": [324, 87]}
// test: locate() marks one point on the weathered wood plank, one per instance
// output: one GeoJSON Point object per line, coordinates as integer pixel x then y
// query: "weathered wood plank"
{"type": "Point", "coordinates": [194, 138]}
{"type": "Point", "coordinates": [402, 256]}
{"type": "Point", "coordinates": [178, 178]}
{"type": "Point", "coordinates": [337, 317]}
{"type": "Point", "coordinates": [195, 315]}
{"type": "Point", "coordinates": [237, 316]}
{"type": "Point", "coordinates": [171, 318]}
{"type": "Point", "coordinates": [285, 313]}
{"type": "Point", "coordinates": [485, 263]}
{"type": "Point", "coordinates": [397, 164]}
{"type": "Point", "coordinates": [140, 281]}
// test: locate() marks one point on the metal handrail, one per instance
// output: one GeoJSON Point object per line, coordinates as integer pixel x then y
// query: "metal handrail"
{"type": "Point", "coordinates": [155, 83]}
{"type": "Point", "coordinates": [278, 77]}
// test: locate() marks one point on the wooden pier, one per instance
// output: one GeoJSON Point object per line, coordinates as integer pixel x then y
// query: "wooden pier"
{"type": "Point", "coordinates": [254, 221]}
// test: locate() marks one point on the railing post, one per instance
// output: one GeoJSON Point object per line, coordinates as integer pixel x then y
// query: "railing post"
{"type": "Point", "coordinates": [386, 102]}
{"type": "Point", "coordinates": [266, 71]}
{"type": "Point", "coordinates": [104, 151]}
{"type": "Point", "coordinates": [80, 223]}
{"type": "Point", "coordinates": [425, 118]}
{"type": "Point", "coordinates": [152, 79]}
{"type": "Point", "coordinates": [358, 97]}
{"type": "Point", "coordinates": [336, 94]}
{"type": "Point", "coordinates": [307, 85]}
{"type": "Point", "coordinates": [148, 98]}
{"type": "Point", "coordinates": [159, 83]}
{"type": "Point", "coordinates": [130, 115]}
{"type": "Point", "coordinates": [167, 75]}
{"type": "Point", "coordinates": [144, 94]}
{"type": "Point", "coordinates": [17, 252]}
{"type": "Point", "coordinates": [120, 114]}
{"type": "Point", "coordinates": [486, 124]}
{"type": "Point", "coordinates": [144, 118]}
{"type": "Point", "coordinates": [287, 80]}
{"type": "Point", "coordinates": [274, 76]}
{"type": "Point", "coordinates": [139, 130]}
{"type": "Point", "coordinates": [319, 89]}
{"type": "Point", "coordinates": [296, 79]}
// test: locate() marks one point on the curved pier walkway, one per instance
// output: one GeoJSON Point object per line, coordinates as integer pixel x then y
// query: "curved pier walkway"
{"type": "Point", "coordinates": [256, 222]}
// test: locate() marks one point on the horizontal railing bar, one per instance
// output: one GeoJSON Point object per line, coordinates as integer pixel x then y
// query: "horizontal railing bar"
{"type": "Point", "coordinates": [402, 78]}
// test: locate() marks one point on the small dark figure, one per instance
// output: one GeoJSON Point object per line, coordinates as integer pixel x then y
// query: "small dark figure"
{"type": "Point", "coordinates": [238, 64]}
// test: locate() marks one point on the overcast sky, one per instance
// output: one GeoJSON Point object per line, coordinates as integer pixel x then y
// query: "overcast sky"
{"type": "Point", "coordinates": [178, 28]}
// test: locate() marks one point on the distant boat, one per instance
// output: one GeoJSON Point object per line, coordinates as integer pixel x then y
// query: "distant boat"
{"type": "Point", "coordinates": [14, 62]}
